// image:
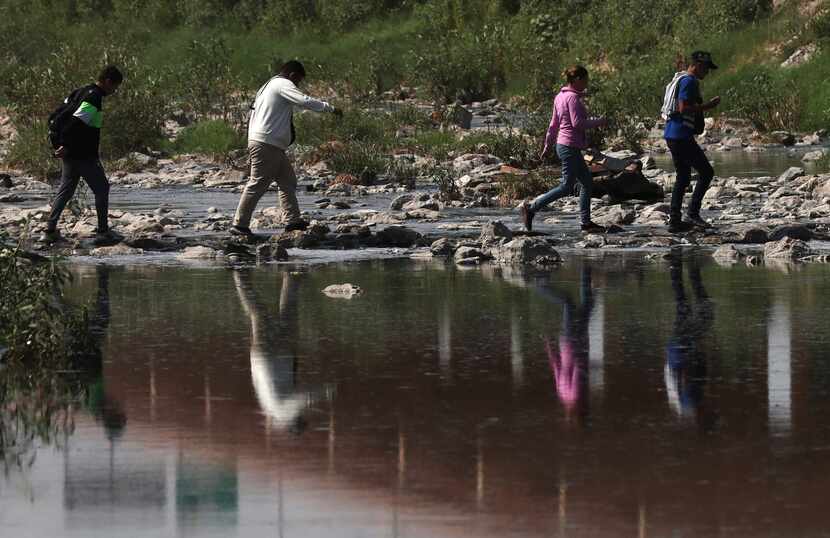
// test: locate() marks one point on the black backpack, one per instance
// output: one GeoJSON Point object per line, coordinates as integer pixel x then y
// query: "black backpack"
{"type": "Point", "coordinates": [58, 118]}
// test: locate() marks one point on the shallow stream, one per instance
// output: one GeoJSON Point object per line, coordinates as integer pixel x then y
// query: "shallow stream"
{"type": "Point", "coordinates": [611, 396]}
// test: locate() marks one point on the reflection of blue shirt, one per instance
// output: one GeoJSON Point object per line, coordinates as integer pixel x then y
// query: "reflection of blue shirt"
{"type": "Point", "coordinates": [688, 90]}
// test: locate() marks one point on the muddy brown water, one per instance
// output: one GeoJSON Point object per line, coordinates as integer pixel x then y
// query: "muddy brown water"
{"type": "Point", "coordinates": [611, 396]}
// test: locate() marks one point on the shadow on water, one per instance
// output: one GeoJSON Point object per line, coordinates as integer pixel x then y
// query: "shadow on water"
{"type": "Point", "coordinates": [609, 396]}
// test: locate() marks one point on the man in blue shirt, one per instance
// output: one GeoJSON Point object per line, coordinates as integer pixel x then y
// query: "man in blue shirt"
{"type": "Point", "coordinates": [684, 122]}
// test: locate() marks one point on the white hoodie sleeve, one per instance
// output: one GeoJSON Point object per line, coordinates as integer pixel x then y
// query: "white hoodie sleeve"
{"type": "Point", "coordinates": [290, 93]}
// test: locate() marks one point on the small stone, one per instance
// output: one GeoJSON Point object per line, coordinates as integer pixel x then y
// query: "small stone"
{"type": "Point", "coordinates": [199, 252]}
{"type": "Point", "coordinates": [342, 291]}
{"type": "Point", "coordinates": [727, 253]}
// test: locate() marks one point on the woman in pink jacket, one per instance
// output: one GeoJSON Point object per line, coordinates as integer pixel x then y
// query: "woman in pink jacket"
{"type": "Point", "coordinates": [567, 131]}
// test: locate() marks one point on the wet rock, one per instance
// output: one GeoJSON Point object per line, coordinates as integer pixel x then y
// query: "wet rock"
{"type": "Point", "coordinates": [399, 201]}
{"type": "Point", "coordinates": [398, 236]}
{"type": "Point", "coordinates": [592, 241]}
{"type": "Point", "coordinates": [423, 214]}
{"type": "Point", "coordinates": [116, 250]}
{"type": "Point", "coordinates": [297, 239]}
{"type": "Point", "coordinates": [339, 189]}
{"type": "Point", "coordinates": [746, 233]}
{"type": "Point", "coordinates": [6, 181]}
{"type": "Point", "coordinates": [142, 159]}
{"type": "Point", "coordinates": [495, 232]}
{"type": "Point", "coordinates": [271, 252]}
{"type": "Point", "coordinates": [793, 231]}
{"type": "Point", "coordinates": [359, 230]}
{"type": "Point", "coordinates": [342, 291]}
{"type": "Point", "coordinates": [430, 204]}
{"type": "Point", "coordinates": [727, 253]}
{"type": "Point", "coordinates": [526, 250]}
{"type": "Point", "coordinates": [791, 173]}
{"type": "Point", "coordinates": [230, 178]}
{"type": "Point", "coordinates": [787, 249]}
{"type": "Point", "coordinates": [11, 199]}
{"type": "Point", "coordinates": [783, 137]}
{"type": "Point", "coordinates": [466, 253]}
{"type": "Point", "coordinates": [657, 214]}
{"type": "Point", "coordinates": [340, 205]}
{"type": "Point", "coordinates": [199, 252]}
{"type": "Point", "coordinates": [442, 247]}
{"type": "Point", "coordinates": [812, 156]}
{"type": "Point", "coordinates": [733, 142]}
{"type": "Point", "coordinates": [150, 242]}
{"type": "Point", "coordinates": [615, 215]}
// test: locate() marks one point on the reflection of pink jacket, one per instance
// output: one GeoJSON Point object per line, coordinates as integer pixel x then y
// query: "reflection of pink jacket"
{"type": "Point", "coordinates": [569, 120]}
{"type": "Point", "coordinates": [565, 371]}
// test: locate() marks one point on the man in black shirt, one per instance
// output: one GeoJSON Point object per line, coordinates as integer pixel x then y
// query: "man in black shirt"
{"type": "Point", "coordinates": [78, 149]}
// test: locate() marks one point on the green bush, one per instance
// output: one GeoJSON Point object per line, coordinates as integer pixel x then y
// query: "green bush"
{"type": "Point", "coordinates": [36, 327]}
{"type": "Point", "coordinates": [213, 137]}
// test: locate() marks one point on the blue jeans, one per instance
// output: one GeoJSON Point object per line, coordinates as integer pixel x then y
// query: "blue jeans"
{"type": "Point", "coordinates": [573, 169]}
{"type": "Point", "coordinates": [686, 155]}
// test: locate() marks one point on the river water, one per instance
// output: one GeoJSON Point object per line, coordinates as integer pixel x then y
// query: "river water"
{"type": "Point", "coordinates": [611, 396]}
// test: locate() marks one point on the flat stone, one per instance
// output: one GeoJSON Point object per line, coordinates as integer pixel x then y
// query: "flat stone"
{"type": "Point", "coordinates": [342, 291]}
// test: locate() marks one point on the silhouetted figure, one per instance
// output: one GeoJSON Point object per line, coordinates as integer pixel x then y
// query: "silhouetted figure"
{"type": "Point", "coordinates": [273, 352]}
{"type": "Point", "coordinates": [569, 360]}
{"type": "Point", "coordinates": [686, 363]}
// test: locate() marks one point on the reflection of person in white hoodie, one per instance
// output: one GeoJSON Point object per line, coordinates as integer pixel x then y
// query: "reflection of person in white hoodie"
{"type": "Point", "coordinates": [273, 352]}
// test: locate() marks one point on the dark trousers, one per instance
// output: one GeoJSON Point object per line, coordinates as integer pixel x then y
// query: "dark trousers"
{"type": "Point", "coordinates": [686, 155]}
{"type": "Point", "coordinates": [93, 173]}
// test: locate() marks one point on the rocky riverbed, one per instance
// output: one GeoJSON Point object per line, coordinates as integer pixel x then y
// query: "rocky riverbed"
{"type": "Point", "coordinates": [181, 209]}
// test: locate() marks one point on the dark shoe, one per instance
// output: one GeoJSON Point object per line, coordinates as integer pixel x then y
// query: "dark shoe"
{"type": "Point", "coordinates": [107, 237]}
{"type": "Point", "coordinates": [296, 225]}
{"type": "Point", "coordinates": [527, 216]}
{"type": "Point", "coordinates": [677, 227]}
{"type": "Point", "coordinates": [697, 221]}
{"type": "Point", "coordinates": [50, 236]}
{"type": "Point", "coordinates": [241, 231]}
{"type": "Point", "coordinates": [593, 228]}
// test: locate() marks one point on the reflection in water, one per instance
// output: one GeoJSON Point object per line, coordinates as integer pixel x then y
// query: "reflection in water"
{"type": "Point", "coordinates": [103, 406]}
{"type": "Point", "coordinates": [779, 367]}
{"type": "Point", "coordinates": [274, 353]}
{"type": "Point", "coordinates": [570, 361]}
{"type": "Point", "coordinates": [685, 371]}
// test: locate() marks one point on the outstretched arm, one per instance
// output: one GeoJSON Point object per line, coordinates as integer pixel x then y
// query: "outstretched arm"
{"type": "Point", "coordinates": [298, 98]}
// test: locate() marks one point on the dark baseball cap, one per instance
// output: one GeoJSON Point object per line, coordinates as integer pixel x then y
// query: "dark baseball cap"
{"type": "Point", "coordinates": [704, 58]}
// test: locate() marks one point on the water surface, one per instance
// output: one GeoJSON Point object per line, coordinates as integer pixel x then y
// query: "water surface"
{"type": "Point", "coordinates": [611, 396]}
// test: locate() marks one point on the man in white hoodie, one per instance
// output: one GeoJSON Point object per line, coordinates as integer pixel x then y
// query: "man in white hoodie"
{"type": "Point", "coordinates": [270, 133]}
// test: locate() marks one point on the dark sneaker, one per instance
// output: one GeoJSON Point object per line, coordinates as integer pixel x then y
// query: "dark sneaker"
{"type": "Point", "coordinates": [593, 228]}
{"type": "Point", "coordinates": [50, 236]}
{"type": "Point", "coordinates": [296, 225]}
{"type": "Point", "coordinates": [527, 216]}
{"type": "Point", "coordinates": [698, 221]}
{"type": "Point", "coordinates": [241, 231]}
{"type": "Point", "coordinates": [677, 227]}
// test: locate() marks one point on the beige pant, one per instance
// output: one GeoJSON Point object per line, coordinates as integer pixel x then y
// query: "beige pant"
{"type": "Point", "coordinates": [268, 164]}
